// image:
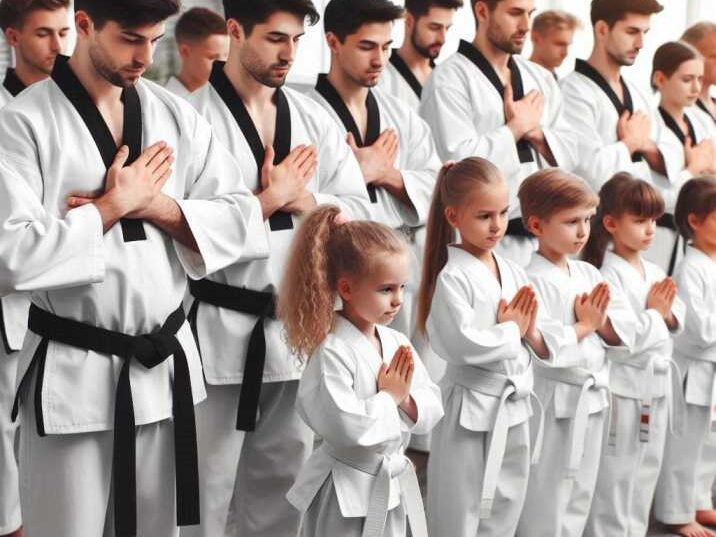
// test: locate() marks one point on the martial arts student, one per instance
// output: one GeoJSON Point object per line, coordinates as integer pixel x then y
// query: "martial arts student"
{"type": "Point", "coordinates": [702, 36]}
{"type": "Point", "coordinates": [573, 383]}
{"type": "Point", "coordinates": [615, 122]}
{"type": "Point", "coordinates": [37, 32]}
{"type": "Point", "coordinates": [488, 101]}
{"type": "Point", "coordinates": [364, 389]}
{"type": "Point", "coordinates": [105, 249]}
{"type": "Point", "coordinates": [687, 139]}
{"type": "Point", "coordinates": [426, 25]}
{"type": "Point", "coordinates": [480, 315]}
{"type": "Point", "coordinates": [552, 34]}
{"type": "Point", "coordinates": [643, 384]}
{"type": "Point", "coordinates": [252, 441]}
{"type": "Point", "coordinates": [391, 141]}
{"type": "Point", "coordinates": [201, 39]}
{"type": "Point", "coordinates": [683, 492]}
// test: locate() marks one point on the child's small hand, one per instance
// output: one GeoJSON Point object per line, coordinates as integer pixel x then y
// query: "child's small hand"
{"type": "Point", "coordinates": [591, 309]}
{"type": "Point", "coordinates": [396, 378]}
{"type": "Point", "coordinates": [519, 310]}
{"type": "Point", "coordinates": [661, 297]}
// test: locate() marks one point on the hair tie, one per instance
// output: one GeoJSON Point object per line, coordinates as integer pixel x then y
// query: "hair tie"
{"type": "Point", "coordinates": [448, 165]}
{"type": "Point", "coordinates": [340, 219]}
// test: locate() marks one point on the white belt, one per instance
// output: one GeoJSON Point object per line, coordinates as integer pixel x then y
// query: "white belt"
{"type": "Point", "coordinates": [513, 387]}
{"type": "Point", "coordinates": [578, 427]}
{"type": "Point", "coordinates": [384, 468]}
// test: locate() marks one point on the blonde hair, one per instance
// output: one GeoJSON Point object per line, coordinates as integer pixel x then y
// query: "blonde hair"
{"type": "Point", "coordinates": [554, 19]}
{"type": "Point", "coordinates": [455, 183]}
{"type": "Point", "coordinates": [324, 250]}
{"type": "Point", "coordinates": [548, 191]}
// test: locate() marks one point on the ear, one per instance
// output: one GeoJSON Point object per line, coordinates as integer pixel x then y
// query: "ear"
{"type": "Point", "coordinates": [409, 22]}
{"type": "Point", "coordinates": [235, 30]}
{"type": "Point", "coordinates": [184, 50]}
{"type": "Point", "coordinates": [480, 11]}
{"type": "Point", "coordinates": [694, 222]}
{"type": "Point", "coordinates": [333, 42]}
{"type": "Point", "coordinates": [601, 29]}
{"type": "Point", "coordinates": [12, 37]}
{"type": "Point", "coordinates": [609, 223]}
{"type": "Point", "coordinates": [534, 226]}
{"type": "Point", "coordinates": [83, 24]}
{"type": "Point", "coordinates": [658, 79]}
{"type": "Point", "coordinates": [451, 216]}
{"type": "Point", "coordinates": [344, 288]}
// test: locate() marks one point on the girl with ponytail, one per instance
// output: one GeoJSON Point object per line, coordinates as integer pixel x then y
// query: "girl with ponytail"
{"type": "Point", "coordinates": [363, 390]}
{"type": "Point", "coordinates": [480, 315]}
{"type": "Point", "coordinates": [641, 380]}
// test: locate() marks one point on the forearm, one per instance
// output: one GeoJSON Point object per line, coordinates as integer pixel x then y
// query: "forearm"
{"type": "Point", "coordinates": [395, 185]}
{"type": "Point", "coordinates": [410, 408]}
{"type": "Point", "coordinates": [608, 334]}
{"type": "Point", "coordinates": [536, 342]}
{"type": "Point", "coordinates": [168, 216]}
{"type": "Point", "coordinates": [110, 211]}
{"type": "Point", "coordinates": [654, 158]}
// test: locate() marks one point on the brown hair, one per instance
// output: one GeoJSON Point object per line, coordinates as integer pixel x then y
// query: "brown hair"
{"type": "Point", "coordinates": [697, 197]}
{"type": "Point", "coordinates": [550, 190]}
{"type": "Point", "coordinates": [455, 183]}
{"type": "Point", "coordinates": [554, 19]}
{"type": "Point", "coordinates": [197, 24]}
{"type": "Point", "coordinates": [612, 11]}
{"type": "Point", "coordinates": [622, 194]}
{"type": "Point", "coordinates": [14, 12]}
{"type": "Point", "coordinates": [696, 33]}
{"type": "Point", "coordinates": [669, 57]}
{"type": "Point", "coordinates": [420, 8]}
{"type": "Point", "coordinates": [323, 251]}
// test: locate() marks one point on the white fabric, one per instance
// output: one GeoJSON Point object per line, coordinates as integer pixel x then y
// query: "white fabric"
{"type": "Point", "coordinates": [77, 272]}
{"type": "Point", "coordinates": [629, 470]}
{"type": "Point", "coordinates": [177, 88]}
{"type": "Point", "coordinates": [337, 180]}
{"type": "Point", "coordinates": [5, 96]}
{"type": "Point", "coordinates": [466, 115]}
{"type": "Point", "coordinates": [393, 83]}
{"type": "Point", "coordinates": [688, 463]}
{"type": "Point", "coordinates": [572, 385]}
{"type": "Point", "coordinates": [338, 399]}
{"type": "Point", "coordinates": [593, 116]}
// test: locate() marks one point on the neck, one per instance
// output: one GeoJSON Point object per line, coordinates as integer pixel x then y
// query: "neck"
{"type": "Point", "coordinates": [675, 110]}
{"type": "Point", "coordinates": [28, 74]}
{"type": "Point", "coordinates": [253, 93]}
{"type": "Point", "coordinates": [497, 58]}
{"type": "Point", "coordinates": [412, 58]}
{"type": "Point", "coordinates": [631, 256]}
{"type": "Point", "coordinates": [98, 87]}
{"type": "Point", "coordinates": [706, 93]}
{"type": "Point", "coordinates": [553, 256]}
{"type": "Point", "coordinates": [540, 61]}
{"type": "Point", "coordinates": [190, 81]}
{"type": "Point", "coordinates": [366, 328]}
{"type": "Point", "coordinates": [603, 63]}
{"type": "Point", "coordinates": [354, 95]}
{"type": "Point", "coordinates": [706, 246]}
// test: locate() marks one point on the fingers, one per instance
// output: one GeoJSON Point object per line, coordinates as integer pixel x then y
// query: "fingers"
{"type": "Point", "coordinates": [149, 153]}
{"type": "Point", "coordinates": [163, 178]}
{"type": "Point", "coordinates": [162, 169]}
{"type": "Point", "coordinates": [120, 157]}
{"type": "Point", "coordinates": [352, 142]}
{"type": "Point", "coordinates": [305, 157]}
{"type": "Point", "coordinates": [75, 201]}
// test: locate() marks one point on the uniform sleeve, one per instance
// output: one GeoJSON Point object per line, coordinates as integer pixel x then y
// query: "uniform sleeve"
{"type": "Point", "coordinates": [625, 322]}
{"type": "Point", "coordinates": [224, 216]}
{"type": "Point", "coordinates": [427, 397]}
{"type": "Point", "coordinates": [559, 134]}
{"type": "Point", "coordinates": [341, 179]}
{"type": "Point", "coordinates": [598, 160]}
{"type": "Point", "coordinates": [330, 406]}
{"type": "Point", "coordinates": [701, 328]}
{"type": "Point", "coordinates": [40, 250]}
{"type": "Point", "coordinates": [458, 332]}
{"type": "Point", "coordinates": [449, 111]}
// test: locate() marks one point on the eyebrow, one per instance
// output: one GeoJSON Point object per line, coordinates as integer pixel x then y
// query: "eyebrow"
{"type": "Point", "coordinates": [135, 35]}
{"type": "Point", "coordinates": [369, 42]}
{"type": "Point", "coordinates": [284, 34]}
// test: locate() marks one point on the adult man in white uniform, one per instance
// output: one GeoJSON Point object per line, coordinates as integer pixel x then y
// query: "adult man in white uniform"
{"type": "Point", "coordinates": [105, 250]}
{"type": "Point", "coordinates": [488, 101]}
{"type": "Point", "coordinates": [552, 35]}
{"type": "Point", "coordinates": [426, 25]}
{"type": "Point", "coordinates": [252, 442]}
{"type": "Point", "coordinates": [37, 32]}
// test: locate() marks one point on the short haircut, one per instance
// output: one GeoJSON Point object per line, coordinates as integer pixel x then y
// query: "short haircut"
{"type": "Point", "coordinates": [696, 33]}
{"type": "Point", "coordinates": [197, 24]}
{"type": "Point", "coordinates": [420, 8]}
{"type": "Point", "coordinates": [344, 17]}
{"type": "Point", "coordinates": [14, 12]}
{"type": "Point", "coordinates": [551, 190]}
{"type": "Point", "coordinates": [249, 13]}
{"type": "Point", "coordinates": [612, 11]}
{"type": "Point", "coordinates": [128, 13]}
{"type": "Point", "coordinates": [554, 19]}
{"type": "Point", "coordinates": [697, 197]}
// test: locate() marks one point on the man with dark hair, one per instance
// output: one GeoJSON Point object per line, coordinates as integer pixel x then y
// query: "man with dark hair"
{"type": "Point", "coordinates": [113, 190]}
{"type": "Point", "coordinates": [426, 25]}
{"type": "Point", "coordinates": [252, 442]}
{"type": "Point", "coordinates": [552, 35]}
{"type": "Point", "coordinates": [490, 102]}
{"type": "Point", "coordinates": [201, 39]}
{"type": "Point", "coordinates": [702, 36]}
{"type": "Point", "coordinates": [37, 32]}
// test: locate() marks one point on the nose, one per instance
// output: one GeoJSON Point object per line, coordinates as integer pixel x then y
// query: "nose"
{"type": "Point", "coordinates": [524, 24]}
{"type": "Point", "coordinates": [581, 230]}
{"type": "Point", "coordinates": [377, 60]}
{"type": "Point", "coordinates": [639, 43]}
{"type": "Point", "coordinates": [397, 298]}
{"type": "Point", "coordinates": [651, 228]}
{"type": "Point", "coordinates": [56, 43]}
{"type": "Point", "coordinates": [288, 52]}
{"type": "Point", "coordinates": [144, 54]}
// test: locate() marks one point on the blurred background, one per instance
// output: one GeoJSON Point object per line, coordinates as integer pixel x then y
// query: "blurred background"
{"type": "Point", "coordinates": [313, 55]}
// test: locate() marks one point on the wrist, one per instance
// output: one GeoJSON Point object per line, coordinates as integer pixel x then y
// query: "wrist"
{"type": "Point", "coordinates": [110, 206]}
{"type": "Point", "coordinates": [270, 201]}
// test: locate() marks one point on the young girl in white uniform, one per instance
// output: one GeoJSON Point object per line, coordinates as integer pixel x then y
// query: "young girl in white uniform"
{"type": "Point", "coordinates": [480, 315]}
{"type": "Point", "coordinates": [364, 390]}
{"type": "Point", "coordinates": [573, 383]}
{"type": "Point", "coordinates": [683, 493]}
{"type": "Point", "coordinates": [640, 381]}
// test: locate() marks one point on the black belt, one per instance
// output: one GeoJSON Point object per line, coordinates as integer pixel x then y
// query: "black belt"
{"type": "Point", "coordinates": [258, 303]}
{"type": "Point", "coordinates": [516, 228]}
{"type": "Point", "coordinates": [149, 350]}
{"type": "Point", "coordinates": [667, 221]}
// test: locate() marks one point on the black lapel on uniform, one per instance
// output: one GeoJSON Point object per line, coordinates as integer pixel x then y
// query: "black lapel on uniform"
{"type": "Point", "coordinates": [13, 83]}
{"type": "Point", "coordinates": [406, 73]}
{"type": "Point", "coordinates": [673, 126]}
